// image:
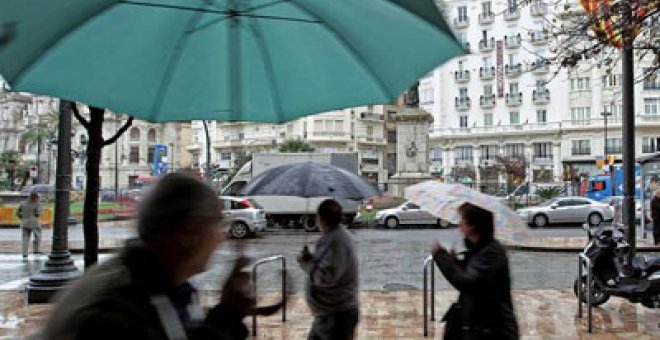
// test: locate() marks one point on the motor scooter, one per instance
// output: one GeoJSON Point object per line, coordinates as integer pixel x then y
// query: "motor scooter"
{"type": "Point", "coordinates": [638, 281]}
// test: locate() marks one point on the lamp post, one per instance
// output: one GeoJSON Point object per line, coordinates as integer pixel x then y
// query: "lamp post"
{"type": "Point", "coordinates": [116, 162]}
{"type": "Point", "coordinates": [59, 268]}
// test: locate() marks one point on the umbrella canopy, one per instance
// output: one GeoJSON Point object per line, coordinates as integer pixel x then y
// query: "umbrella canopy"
{"type": "Point", "coordinates": [232, 60]}
{"type": "Point", "coordinates": [443, 200]}
{"type": "Point", "coordinates": [310, 179]}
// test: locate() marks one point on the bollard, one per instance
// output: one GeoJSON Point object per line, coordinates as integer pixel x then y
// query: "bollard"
{"type": "Point", "coordinates": [254, 286]}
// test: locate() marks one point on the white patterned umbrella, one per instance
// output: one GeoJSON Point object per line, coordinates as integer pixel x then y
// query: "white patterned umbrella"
{"type": "Point", "coordinates": [443, 200]}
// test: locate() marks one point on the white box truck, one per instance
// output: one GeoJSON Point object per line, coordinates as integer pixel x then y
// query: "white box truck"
{"type": "Point", "coordinates": [288, 211]}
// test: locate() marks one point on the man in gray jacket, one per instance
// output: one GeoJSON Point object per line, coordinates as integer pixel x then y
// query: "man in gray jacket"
{"type": "Point", "coordinates": [332, 284]}
{"type": "Point", "coordinates": [29, 212]}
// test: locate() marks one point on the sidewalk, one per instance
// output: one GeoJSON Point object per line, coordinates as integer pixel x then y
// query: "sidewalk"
{"type": "Point", "coordinates": [567, 244]}
{"type": "Point", "coordinates": [542, 314]}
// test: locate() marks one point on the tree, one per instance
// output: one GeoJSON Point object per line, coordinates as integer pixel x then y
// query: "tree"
{"type": "Point", "coordinates": [581, 37]}
{"type": "Point", "coordinates": [96, 142]}
{"type": "Point", "coordinates": [461, 173]}
{"type": "Point", "coordinates": [38, 134]}
{"type": "Point", "coordinates": [515, 167]}
{"type": "Point", "coordinates": [10, 164]}
{"type": "Point", "coordinates": [296, 145]}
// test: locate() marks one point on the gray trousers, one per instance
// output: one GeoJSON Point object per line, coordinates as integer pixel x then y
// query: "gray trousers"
{"type": "Point", "coordinates": [35, 242]}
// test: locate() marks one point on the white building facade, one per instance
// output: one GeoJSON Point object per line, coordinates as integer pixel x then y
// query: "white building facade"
{"type": "Point", "coordinates": [504, 98]}
{"type": "Point", "coordinates": [358, 129]}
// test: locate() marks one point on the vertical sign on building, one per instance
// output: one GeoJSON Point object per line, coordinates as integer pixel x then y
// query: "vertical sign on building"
{"type": "Point", "coordinates": [160, 159]}
{"type": "Point", "coordinates": [499, 56]}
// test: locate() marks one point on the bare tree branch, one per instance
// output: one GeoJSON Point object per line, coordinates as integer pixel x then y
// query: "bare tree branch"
{"type": "Point", "coordinates": [119, 132]}
{"type": "Point", "coordinates": [79, 117]}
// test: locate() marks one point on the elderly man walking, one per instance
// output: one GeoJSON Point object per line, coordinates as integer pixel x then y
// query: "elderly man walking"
{"type": "Point", "coordinates": [28, 212]}
{"type": "Point", "coordinates": [332, 284]}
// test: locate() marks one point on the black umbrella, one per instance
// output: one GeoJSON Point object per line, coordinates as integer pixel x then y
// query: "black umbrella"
{"type": "Point", "coordinates": [309, 179]}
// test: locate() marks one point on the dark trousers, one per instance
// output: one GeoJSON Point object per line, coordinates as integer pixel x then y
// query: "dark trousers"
{"type": "Point", "coordinates": [337, 326]}
{"type": "Point", "coordinates": [656, 232]}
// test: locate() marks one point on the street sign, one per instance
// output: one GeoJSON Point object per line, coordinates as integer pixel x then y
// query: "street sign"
{"type": "Point", "coordinates": [160, 160]}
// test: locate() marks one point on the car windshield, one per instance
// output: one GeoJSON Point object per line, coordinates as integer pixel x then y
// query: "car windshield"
{"type": "Point", "coordinates": [548, 202]}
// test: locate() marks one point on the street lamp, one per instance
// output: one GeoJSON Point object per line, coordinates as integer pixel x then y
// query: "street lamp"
{"type": "Point", "coordinates": [605, 114]}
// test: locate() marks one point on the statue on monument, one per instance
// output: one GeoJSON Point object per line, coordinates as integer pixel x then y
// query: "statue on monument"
{"type": "Point", "coordinates": [411, 96]}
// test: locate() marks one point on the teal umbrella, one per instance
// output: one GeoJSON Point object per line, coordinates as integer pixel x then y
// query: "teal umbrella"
{"type": "Point", "coordinates": [259, 60]}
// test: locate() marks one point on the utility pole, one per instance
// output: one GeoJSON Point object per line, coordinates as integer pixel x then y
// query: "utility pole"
{"type": "Point", "coordinates": [116, 161]}
{"type": "Point", "coordinates": [628, 124]}
{"type": "Point", "coordinates": [208, 176]}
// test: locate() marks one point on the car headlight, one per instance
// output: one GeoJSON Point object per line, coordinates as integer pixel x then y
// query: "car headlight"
{"type": "Point", "coordinates": [380, 214]}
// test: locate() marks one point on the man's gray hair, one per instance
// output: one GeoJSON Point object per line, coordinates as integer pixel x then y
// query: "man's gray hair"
{"type": "Point", "coordinates": [175, 201]}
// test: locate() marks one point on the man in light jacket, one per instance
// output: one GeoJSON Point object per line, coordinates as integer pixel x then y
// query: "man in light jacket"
{"type": "Point", "coordinates": [332, 283]}
{"type": "Point", "coordinates": [29, 212]}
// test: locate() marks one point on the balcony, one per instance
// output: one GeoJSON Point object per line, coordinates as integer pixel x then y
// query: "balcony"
{"type": "Point", "coordinates": [540, 66]}
{"type": "Point", "coordinates": [487, 73]}
{"type": "Point", "coordinates": [542, 159]}
{"type": "Point", "coordinates": [541, 96]}
{"type": "Point", "coordinates": [372, 140]}
{"type": "Point", "coordinates": [461, 22]}
{"type": "Point", "coordinates": [462, 76]}
{"type": "Point", "coordinates": [580, 151]}
{"type": "Point", "coordinates": [486, 18]}
{"type": "Point", "coordinates": [372, 116]}
{"type": "Point", "coordinates": [512, 41]}
{"type": "Point", "coordinates": [495, 130]}
{"type": "Point", "coordinates": [538, 9]}
{"type": "Point", "coordinates": [194, 147]}
{"type": "Point", "coordinates": [486, 45]}
{"type": "Point", "coordinates": [487, 101]}
{"type": "Point", "coordinates": [512, 13]}
{"type": "Point", "coordinates": [513, 99]}
{"type": "Point", "coordinates": [513, 70]}
{"type": "Point", "coordinates": [462, 103]}
{"type": "Point", "coordinates": [538, 38]}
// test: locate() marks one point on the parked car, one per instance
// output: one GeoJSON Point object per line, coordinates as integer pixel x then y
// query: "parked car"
{"type": "Point", "coordinates": [408, 213]}
{"type": "Point", "coordinates": [244, 217]}
{"type": "Point", "coordinates": [567, 210]}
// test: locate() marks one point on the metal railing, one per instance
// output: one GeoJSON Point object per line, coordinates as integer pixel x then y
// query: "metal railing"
{"type": "Point", "coordinates": [254, 287]}
{"type": "Point", "coordinates": [585, 261]}
{"type": "Point", "coordinates": [428, 262]}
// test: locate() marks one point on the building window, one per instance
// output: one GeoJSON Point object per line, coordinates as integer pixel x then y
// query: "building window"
{"type": "Point", "coordinates": [488, 62]}
{"type": "Point", "coordinates": [581, 147]}
{"type": "Point", "coordinates": [134, 155]}
{"type": "Point", "coordinates": [488, 119]}
{"type": "Point", "coordinates": [580, 84]}
{"type": "Point", "coordinates": [514, 149]}
{"type": "Point", "coordinates": [150, 154]}
{"type": "Point", "coordinates": [463, 121]}
{"type": "Point", "coordinates": [581, 115]}
{"type": "Point", "coordinates": [225, 156]}
{"type": "Point", "coordinates": [651, 106]}
{"type": "Point", "coordinates": [513, 89]}
{"type": "Point", "coordinates": [134, 135]}
{"type": "Point", "coordinates": [613, 146]}
{"type": "Point", "coordinates": [435, 155]}
{"type": "Point", "coordinates": [652, 82]}
{"type": "Point", "coordinates": [462, 93]}
{"type": "Point", "coordinates": [370, 131]}
{"type": "Point", "coordinates": [542, 150]}
{"type": "Point", "coordinates": [613, 111]}
{"type": "Point", "coordinates": [488, 90]}
{"type": "Point", "coordinates": [489, 151]}
{"type": "Point", "coordinates": [241, 135]}
{"type": "Point", "coordinates": [611, 80]}
{"type": "Point", "coordinates": [486, 8]}
{"type": "Point", "coordinates": [541, 116]}
{"type": "Point", "coordinates": [463, 153]}
{"type": "Point", "coordinates": [462, 13]}
{"type": "Point", "coordinates": [512, 5]}
{"type": "Point", "coordinates": [514, 117]}
{"type": "Point", "coordinates": [151, 135]}
{"type": "Point", "coordinates": [650, 144]}
{"type": "Point", "coordinates": [391, 137]}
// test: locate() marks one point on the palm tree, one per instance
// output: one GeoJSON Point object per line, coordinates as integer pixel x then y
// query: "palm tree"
{"type": "Point", "coordinates": [38, 134]}
{"type": "Point", "coordinates": [15, 168]}
{"type": "Point", "coordinates": [296, 145]}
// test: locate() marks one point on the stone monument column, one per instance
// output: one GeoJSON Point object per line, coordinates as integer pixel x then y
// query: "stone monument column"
{"type": "Point", "coordinates": [412, 149]}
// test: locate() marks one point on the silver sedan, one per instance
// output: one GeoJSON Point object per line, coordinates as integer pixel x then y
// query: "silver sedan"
{"type": "Point", "coordinates": [566, 210]}
{"type": "Point", "coordinates": [410, 214]}
{"type": "Point", "coordinates": [244, 217]}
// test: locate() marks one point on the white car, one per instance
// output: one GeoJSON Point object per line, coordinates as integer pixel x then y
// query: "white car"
{"type": "Point", "coordinates": [566, 210]}
{"type": "Point", "coordinates": [410, 214]}
{"type": "Point", "coordinates": [244, 217]}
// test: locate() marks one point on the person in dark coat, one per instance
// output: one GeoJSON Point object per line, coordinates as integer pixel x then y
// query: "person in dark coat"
{"type": "Point", "coordinates": [144, 293]}
{"type": "Point", "coordinates": [484, 309]}
{"type": "Point", "coordinates": [655, 216]}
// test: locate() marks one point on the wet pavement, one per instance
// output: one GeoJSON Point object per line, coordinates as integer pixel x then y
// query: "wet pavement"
{"type": "Point", "coordinates": [388, 258]}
